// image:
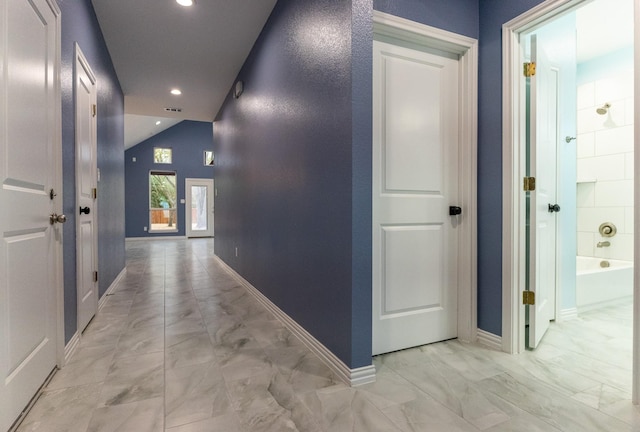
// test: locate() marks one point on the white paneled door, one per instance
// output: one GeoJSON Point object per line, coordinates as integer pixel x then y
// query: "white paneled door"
{"type": "Point", "coordinates": [29, 197]}
{"type": "Point", "coordinates": [415, 187]}
{"type": "Point", "coordinates": [86, 190]}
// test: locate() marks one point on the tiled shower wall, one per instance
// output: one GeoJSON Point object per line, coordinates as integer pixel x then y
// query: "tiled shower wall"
{"type": "Point", "coordinates": [605, 166]}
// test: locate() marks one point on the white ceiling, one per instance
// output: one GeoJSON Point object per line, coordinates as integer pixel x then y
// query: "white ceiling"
{"type": "Point", "coordinates": [603, 26]}
{"type": "Point", "coordinates": [138, 128]}
{"type": "Point", "coordinates": [157, 45]}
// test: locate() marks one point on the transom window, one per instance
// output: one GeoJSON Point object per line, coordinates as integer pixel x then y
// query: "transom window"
{"type": "Point", "coordinates": [162, 155]}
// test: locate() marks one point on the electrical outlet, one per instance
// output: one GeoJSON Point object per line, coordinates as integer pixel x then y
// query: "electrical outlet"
{"type": "Point", "coordinates": [145, 228]}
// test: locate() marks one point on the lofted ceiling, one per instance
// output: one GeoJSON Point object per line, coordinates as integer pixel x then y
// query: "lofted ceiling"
{"type": "Point", "coordinates": [158, 45]}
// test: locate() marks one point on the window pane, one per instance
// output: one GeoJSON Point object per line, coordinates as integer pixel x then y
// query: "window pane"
{"type": "Point", "coordinates": [199, 208]}
{"type": "Point", "coordinates": [163, 201]}
{"type": "Point", "coordinates": [162, 155]}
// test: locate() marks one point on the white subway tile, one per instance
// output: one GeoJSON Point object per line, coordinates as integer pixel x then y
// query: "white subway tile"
{"type": "Point", "coordinates": [589, 219]}
{"type": "Point", "coordinates": [586, 145]}
{"type": "Point", "coordinates": [617, 193]}
{"type": "Point", "coordinates": [586, 243]}
{"type": "Point", "coordinates": [611, 167]}
{"type": "Point", "coordinates": [616, 140]}
{"type": "Point", "coordinates": [628, 220]}
{"type": "Point", "coordinates": [585, 194]}
{"type": "Point", "coordinates": [587, 120]}
{"type": "Point", "coordinates": [621, 247]}
{"type": "Point", "coordinates": [586, 95]}
{"type": "Point", "coordinates": [628, 166]}
{"type": "Point", "coordinates": [586, 169]}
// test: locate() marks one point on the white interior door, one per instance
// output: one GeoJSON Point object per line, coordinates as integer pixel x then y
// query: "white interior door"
{"type": "Point", "coordinates": [199, 207]}
{"type": "Point", "coordinates": [415, 181]}
{"type": "Point", "coordinates": [29, 158]}
{"type": "Point", "coordinates": [86, 185]}
{"type": "Point", "coordinates": [543, 133]}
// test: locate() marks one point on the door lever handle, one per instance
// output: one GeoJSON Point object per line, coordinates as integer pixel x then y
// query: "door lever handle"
{"type": "Point", "coordinates": [85, 210]}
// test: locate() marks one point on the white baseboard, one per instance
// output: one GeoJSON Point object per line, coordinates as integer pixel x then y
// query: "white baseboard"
{"type": "Point", "coordinates": [489, 340]}
{"type": "Point", "coordinates": [568, 314]}
{"type": "Point", "coordinates": [352, 377]}
{"type": "Point", "coordinates": [114, 284]}
{"type": "Point", "coordinates": [71, 347]}
{"type": "Point", "coordinates": [129, 239]}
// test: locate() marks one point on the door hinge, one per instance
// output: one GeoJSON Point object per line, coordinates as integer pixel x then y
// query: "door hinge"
{"type": "Point", "coordinates": [94, 193]}
{"type": "Point", "coordinates": [94, 110]}
{"type": "Point", "coordinates": [95, 276]}
{"type": "Point", "coordinates": [529, 184]}
{"type": "Point", "coordinates": [528, 297]}
{"type": "Point", "coordinates": [529, 69]}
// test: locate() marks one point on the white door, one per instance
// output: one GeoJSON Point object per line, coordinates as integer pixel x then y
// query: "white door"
{"type": "Point", "coordinates": [86, 196]}
{"type": "Point", "coordinates": [415, 181]}
{"type": "Point", "coordinates": [29, 162]}
{"type": "Point", "coordinates": [543, 137]}
{"type": "Point", "coordinates": [199, 207]}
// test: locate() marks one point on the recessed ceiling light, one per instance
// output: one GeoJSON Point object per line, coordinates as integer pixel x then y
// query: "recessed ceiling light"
{"type": "Point", "coordinates": [176, 92]}
{"type": "Point", "coordinates": [185, 2]}
{"type": "Point", "coordinates": [158, 122]}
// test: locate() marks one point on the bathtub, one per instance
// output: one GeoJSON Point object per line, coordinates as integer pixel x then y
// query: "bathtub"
{"type": "Point", "coordinates": [597, 286]}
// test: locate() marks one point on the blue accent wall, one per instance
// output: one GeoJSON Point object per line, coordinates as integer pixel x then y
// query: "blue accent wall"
{"type": "Point", "coordinates": [189, 140]}
{"type": "Point", "coordinates": [79, 24]}
{"type": "Point", "coordinates": [457, 16]}
{"type": "Point", "coordinates": [285, 172]}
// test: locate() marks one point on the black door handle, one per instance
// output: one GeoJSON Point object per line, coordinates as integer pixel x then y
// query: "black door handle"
{"type": "Point", "coordinates": [554, 208]}
{"type": "Point", "coordinates": [85, 210]}
{"type": "Point", "coordinates": [455, 211]}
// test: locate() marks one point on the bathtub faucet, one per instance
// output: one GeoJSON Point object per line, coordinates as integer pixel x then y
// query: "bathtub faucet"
{"type": "Point", "coordinates": [603, 244]}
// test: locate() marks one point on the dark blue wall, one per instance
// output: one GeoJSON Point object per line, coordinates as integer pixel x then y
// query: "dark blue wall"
{"type": "Point", "coordinates": [493, 14]}
{"type": "Point", "coordinates": [457, 16]}
{"type": "Point", "coordinates": [79, 24]}
{"type": "Point", "coordinates": [189, 140]}
{"type": "Point", "coordinates": [284, 171]}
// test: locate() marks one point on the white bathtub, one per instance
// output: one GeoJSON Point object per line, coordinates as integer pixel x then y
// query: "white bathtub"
{"type": "Point", "coordinates": [597, 286]}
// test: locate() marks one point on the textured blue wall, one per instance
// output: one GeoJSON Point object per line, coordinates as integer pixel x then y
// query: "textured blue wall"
{"type": "Point", "coordinates": [79, 24]}
{"type": "Point", "coordinates": [284, 171]}
{"type": "Point", "coordinates": [493, 14]}
{"type": "Point", "coordinates": [457, 16]}
{"type": "Point", "coordinates": [189, 140]}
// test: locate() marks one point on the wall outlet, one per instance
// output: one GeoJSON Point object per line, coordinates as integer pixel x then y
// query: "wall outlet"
{"type": "Point", "coordinates": [133, 159]}
{"type": "Point", "coordinates": [145, 228]}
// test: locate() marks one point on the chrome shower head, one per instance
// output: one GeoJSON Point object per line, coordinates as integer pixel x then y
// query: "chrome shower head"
{"type": "Point", "coordinates": [603, 109]}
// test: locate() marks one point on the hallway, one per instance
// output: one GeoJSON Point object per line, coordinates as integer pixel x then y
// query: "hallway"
{"type": "Point", "coordinates": [181, 346]}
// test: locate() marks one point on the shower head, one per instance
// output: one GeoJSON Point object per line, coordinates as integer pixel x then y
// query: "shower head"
{"type": "Point", "coordinates": [603, 109]}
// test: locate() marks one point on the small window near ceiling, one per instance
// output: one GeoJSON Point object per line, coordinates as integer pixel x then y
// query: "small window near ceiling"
{"type": "Point", "coordinates": [208, 158]}
{"type": "Point", "coordinates": [163, 200]}
{"type": "Point", "coordinates": [162, 155]}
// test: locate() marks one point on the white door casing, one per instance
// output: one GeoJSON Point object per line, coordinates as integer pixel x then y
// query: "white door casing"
{"type": "Point", "coordinates": [415, 156]}
{"type": "Point", "coordinates": [86, 183]}
{"type": "Point", "coordinates": [30, 191]}
{"type": "Point", "coordinates": [199, 209]}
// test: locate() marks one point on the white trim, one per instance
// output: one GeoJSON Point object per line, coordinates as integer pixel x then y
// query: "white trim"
{"type": "Point", "coordinates": [112, 287]}
{"type": "Point", "coordinates": [489, 340]}
{"type": "Point", "coordinates": [467, 48]}
{"type": "Point", "coordinates": [568, 314]}
{"type": "Point", "coordinates": [635, 396]}
{"type": "Point", "coordinates": [352, 377]}
{"type": "Point", "coordinates": [130, 239]}
{"type": "Point", "coordinates": [71, 348]}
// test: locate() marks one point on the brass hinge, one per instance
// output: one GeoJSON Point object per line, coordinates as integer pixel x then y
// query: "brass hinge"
{"type": "Point", "coordinates": [529, 184]}
{"type": "Point", "coordinates": [94, 193]}
{"type": "Point", "coordinates": [528, 297]}
{"type": "Point", "coordinates": [95, 276]}
{"type": "Point", "coordinates": [94, 110]}
{"type": "Point", "coordinates": [529, 69]}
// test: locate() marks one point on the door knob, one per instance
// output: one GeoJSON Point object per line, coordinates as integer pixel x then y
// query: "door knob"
{"type": "Point", "coordinates": [85, 210]}
{"type": "Point", "coordinates": [554, 208]}
{"type": "Point", "coordinates": [56, 218]}
{"type": "Point", "coordinates": [455, 210]}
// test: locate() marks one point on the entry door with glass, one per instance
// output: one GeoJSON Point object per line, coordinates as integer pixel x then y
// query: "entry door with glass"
{"type": "Point", "coordinates": [199, 214]}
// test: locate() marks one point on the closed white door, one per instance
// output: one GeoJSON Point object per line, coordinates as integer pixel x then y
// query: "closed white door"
{"type": "Point", "coordinates": [29, 159]}
{"type": "Point", "coordinates": [415, 182]}
{"type": "Point", "coordinates": [199, 207]}
{"type": "Point", "coordinates": [86, 187]}
{"type": "Point", "coordinates": [542, 157]}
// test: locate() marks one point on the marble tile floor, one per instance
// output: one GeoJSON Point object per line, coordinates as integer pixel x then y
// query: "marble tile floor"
{"type": "Point", "coordinates": [179, 346]}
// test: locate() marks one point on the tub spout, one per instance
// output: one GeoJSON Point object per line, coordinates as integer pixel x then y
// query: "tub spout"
{"type": "Point", "coordinates": [603, 244]}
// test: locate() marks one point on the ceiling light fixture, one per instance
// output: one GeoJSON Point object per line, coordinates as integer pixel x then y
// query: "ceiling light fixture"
{"type": "Point", "coordinates": [185, 2]}
{"type": "Point", "coordinates": [158, 122]}
{"type": "Point", "coordinates": [176, 92]}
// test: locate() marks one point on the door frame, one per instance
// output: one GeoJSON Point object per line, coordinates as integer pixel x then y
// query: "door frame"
{"type": "Point", "coordinates": [466, 48]}
{"type": "Point", "coordinates": [79, 57]}
{"type": "Point", "coordinates": [187, 184]}
{"type": "Point", "coordinates": [513, 209]}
